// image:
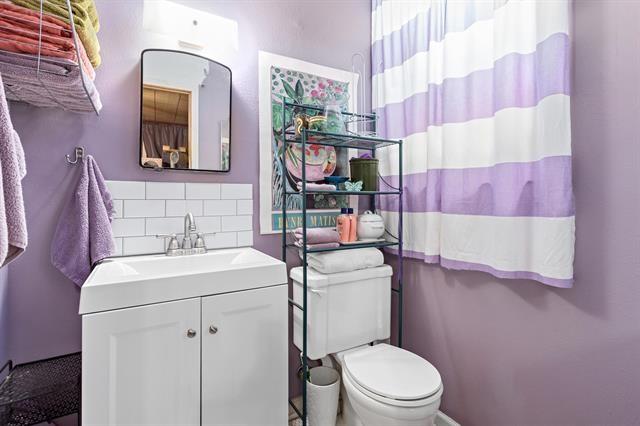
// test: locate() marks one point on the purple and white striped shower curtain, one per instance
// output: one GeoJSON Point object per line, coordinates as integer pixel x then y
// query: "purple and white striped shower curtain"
{"type": "Point", "coordinates": [479, 92]}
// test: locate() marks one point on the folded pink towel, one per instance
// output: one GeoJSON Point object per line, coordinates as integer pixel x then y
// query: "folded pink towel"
{"type": "Point", "coordinates": [318, 235]}
{"type": "Point", "coordinates": [13, 222]}
{"type": "Point", "coordinates": [84, 236]}
{"type": "Point", "coordinates": [317, 246]}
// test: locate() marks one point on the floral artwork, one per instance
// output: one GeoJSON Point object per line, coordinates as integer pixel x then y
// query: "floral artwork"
{"type": "Point", "coordinates": [309, 88]}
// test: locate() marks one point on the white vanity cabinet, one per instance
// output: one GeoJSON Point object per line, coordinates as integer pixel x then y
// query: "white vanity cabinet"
{"type": "Point", "coordinates": [217, 358]}
{"type": "Point", "coordinates": [140, 367]}
{"type": "Point", "coordinates": [244, 353]}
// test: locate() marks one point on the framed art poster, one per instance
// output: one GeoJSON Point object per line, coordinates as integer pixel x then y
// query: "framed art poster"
{"type": "Point", "coordinates": [310, 84]}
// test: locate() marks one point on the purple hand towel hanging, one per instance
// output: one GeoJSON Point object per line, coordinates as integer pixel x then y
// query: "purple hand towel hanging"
{"type": "Point", "coordinates": [13, 223]}
{"type": "Point", "coordinates": [84, 236]}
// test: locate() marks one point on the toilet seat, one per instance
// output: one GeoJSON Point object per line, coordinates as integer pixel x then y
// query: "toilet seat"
{"type": "Point", "coordinates": [392, 375]}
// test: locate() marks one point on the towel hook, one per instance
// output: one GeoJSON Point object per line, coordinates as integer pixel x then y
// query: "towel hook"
{"type": "Point", "coordinates": [79, 153]}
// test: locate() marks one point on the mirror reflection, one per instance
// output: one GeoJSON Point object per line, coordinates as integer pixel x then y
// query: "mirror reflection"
{"type": "Point", "coordinates": [186, 111]}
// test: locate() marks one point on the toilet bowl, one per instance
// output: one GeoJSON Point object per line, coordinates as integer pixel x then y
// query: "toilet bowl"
{"type": "Point", "coordinates": [385, 385]}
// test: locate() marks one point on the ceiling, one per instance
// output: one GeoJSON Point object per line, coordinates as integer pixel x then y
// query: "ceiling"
{"type": "Point", "coordinates": [165, 105]}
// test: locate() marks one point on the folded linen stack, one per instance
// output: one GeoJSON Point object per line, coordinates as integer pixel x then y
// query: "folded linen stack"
{"type": "Point", "coordinates": [85, 19]}
{"type": "Point", "coordinates": [53, 78]}
{"type": "Point", "coordinates": [310, 186]}
{"type": "Point", "coordinates": [333, 262]}
{"type": "Point", "coordinates": [318, 238]}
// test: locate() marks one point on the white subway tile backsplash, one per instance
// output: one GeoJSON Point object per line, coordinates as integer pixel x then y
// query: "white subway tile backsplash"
{"type": "Point", "coordinates": [126, 190]}
{"type": "Point", "coordinates": [244, 207]}
{"type": "Point", "coordinates": [237, 223]}
{"type": "Point", "coordinates": [223, 212]}
{"type": "Point", "coordinates": [144, 208]}
{"type": "Point", "coordinates": [221, 240]}
{"type": "Point", "coordinates": [245, 238]}
{"type": "Point", "coordinates": [219, 207]}
{"type": "Point", "coordinates": [142, 245]}
{"type": "Point", "coordinates": [236, 191]}
{"type": "Point", "coordinates": [203, 191]}
{"type": "Point", "coordinates": [128, 227]}
{"type": "Point", "coordinates": [165, 191]}
{"type": "Point", "coordinates": [181, 207]}
{"type": "Point", "coordinates": [208, 224]}
{"type": "Point", "coordinates": [118, 247]}
{"type": "Point", "coordinates": [165, 225]}
{"type": "Point", "coordinates": [117, 206]}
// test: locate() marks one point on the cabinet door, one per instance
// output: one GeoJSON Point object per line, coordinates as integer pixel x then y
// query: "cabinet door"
{"type": "Point", "coordinates": [244, 358]}
{"type": "Point", "coordinates": [141, 366]}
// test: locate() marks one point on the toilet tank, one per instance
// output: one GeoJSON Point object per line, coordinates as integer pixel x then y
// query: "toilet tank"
{"type": "Point", "coordinates": [344, 310]}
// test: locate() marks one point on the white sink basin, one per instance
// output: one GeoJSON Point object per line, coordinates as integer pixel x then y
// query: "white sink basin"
{"type": "Point", "coordinates": [139, 280]}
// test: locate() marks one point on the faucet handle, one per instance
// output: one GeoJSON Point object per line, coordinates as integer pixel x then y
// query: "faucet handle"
{"type": "Point", "coordinates": [200, 241]}
{"type": "Point", "coordinates": [173, 241]}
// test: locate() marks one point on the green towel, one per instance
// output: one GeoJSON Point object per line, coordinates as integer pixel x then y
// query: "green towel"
{"type": "Point", "coordinates": [85, 18]}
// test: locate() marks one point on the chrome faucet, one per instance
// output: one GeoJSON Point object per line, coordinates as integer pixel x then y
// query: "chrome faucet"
{"type": "Point", "coordinates": [189, 227]}
{"type": "Point", "coordinates": [187, 247]}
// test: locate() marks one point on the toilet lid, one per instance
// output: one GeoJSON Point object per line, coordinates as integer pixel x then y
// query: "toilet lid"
{"type": "Point", "coordinates": [392, 372]}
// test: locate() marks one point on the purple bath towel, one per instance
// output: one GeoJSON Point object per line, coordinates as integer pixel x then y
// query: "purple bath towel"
{"type": "Point", "coordinates": [13, 223]}
{"type": "Point", "coordinates": [83, 236]}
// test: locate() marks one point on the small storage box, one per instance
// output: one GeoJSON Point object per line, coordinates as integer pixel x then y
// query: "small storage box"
{"type": "Point", "coordinates": [344, 310]}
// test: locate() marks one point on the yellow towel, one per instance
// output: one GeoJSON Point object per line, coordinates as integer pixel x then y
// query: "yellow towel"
{"type": "Point", "coordinates": [85, 18]}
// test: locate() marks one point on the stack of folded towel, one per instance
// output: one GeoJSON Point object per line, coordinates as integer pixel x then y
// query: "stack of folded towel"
{"type": "Point", "coordinates": [333, 262]}
{"type": "Point", "coordinates": [310, 186]}
{"type": "Point", "coordinates": [85, 19]}
{"type": "Point", "coordinates": [21, 41]}
{"type": "Point", "coordinates": [318, 238]}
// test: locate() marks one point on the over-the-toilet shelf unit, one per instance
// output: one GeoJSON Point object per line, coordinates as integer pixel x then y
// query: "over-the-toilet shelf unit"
{"type": "Point", "coordinates": [13, 94]}
{"type": "Point", "coordinates": [349, 140]}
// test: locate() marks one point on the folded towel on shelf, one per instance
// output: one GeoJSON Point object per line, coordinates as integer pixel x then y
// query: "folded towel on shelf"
{"type": "Point", "coordinates": [298, 243]}
{"type": "Point", "coordinates": [85, 18]}
{"type": "Point", "coordinates": [83, 235]}
{"type": "Point", "coordinates": [26, 16]}
{"type": "Point", "coordinates": [317, 186]}
{"type": "Point", "coordinates": [318, 235]}
{"type": "Point", "coordinates": [332, 262]}
{"type": "Point", "coordinates": [13, 222]}
{"type": "Point", "coordinates": [47, 89]}
{"type": "Point", "coordinates": [20, 33]}
{"type": "Point", "coordinates": [59, 66]}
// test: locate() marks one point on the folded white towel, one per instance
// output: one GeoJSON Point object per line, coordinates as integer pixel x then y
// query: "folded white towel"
{"type": "Point", "coordinates": [344, 261]}
{"type": "Point", "coordinates": [317, 186]}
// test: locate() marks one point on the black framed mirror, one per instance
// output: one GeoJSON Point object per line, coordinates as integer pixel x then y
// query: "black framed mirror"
{"type": "Point", "coordinates": [185, 112]}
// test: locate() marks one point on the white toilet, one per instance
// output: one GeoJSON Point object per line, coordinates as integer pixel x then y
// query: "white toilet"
{"type": "Point", "coordinates": [381, 384]}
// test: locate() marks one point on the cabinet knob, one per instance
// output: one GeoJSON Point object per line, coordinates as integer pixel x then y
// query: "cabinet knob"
{"type": "Point", "coordinates": [213, 329]}
{"type": "Point", "coordinates": [191, 333]}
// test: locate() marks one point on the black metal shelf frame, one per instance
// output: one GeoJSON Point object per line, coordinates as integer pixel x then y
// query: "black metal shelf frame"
{"type": "Point", "coordinates": [375, 244]}
{"type": "Point", "coordinates": [369, 143]}
{"type": "Point", "coordinates": [317, 137]}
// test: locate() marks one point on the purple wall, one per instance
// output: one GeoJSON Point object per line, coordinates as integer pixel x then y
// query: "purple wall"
{"type": "Point", "coordinates": [519, 352]}
{"type": "Point", "coordinates": [213, 107]}
{"type": "Point", "coordinates": [510, 352]}
{"type": "Point", "coordinates": [40, 304]}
